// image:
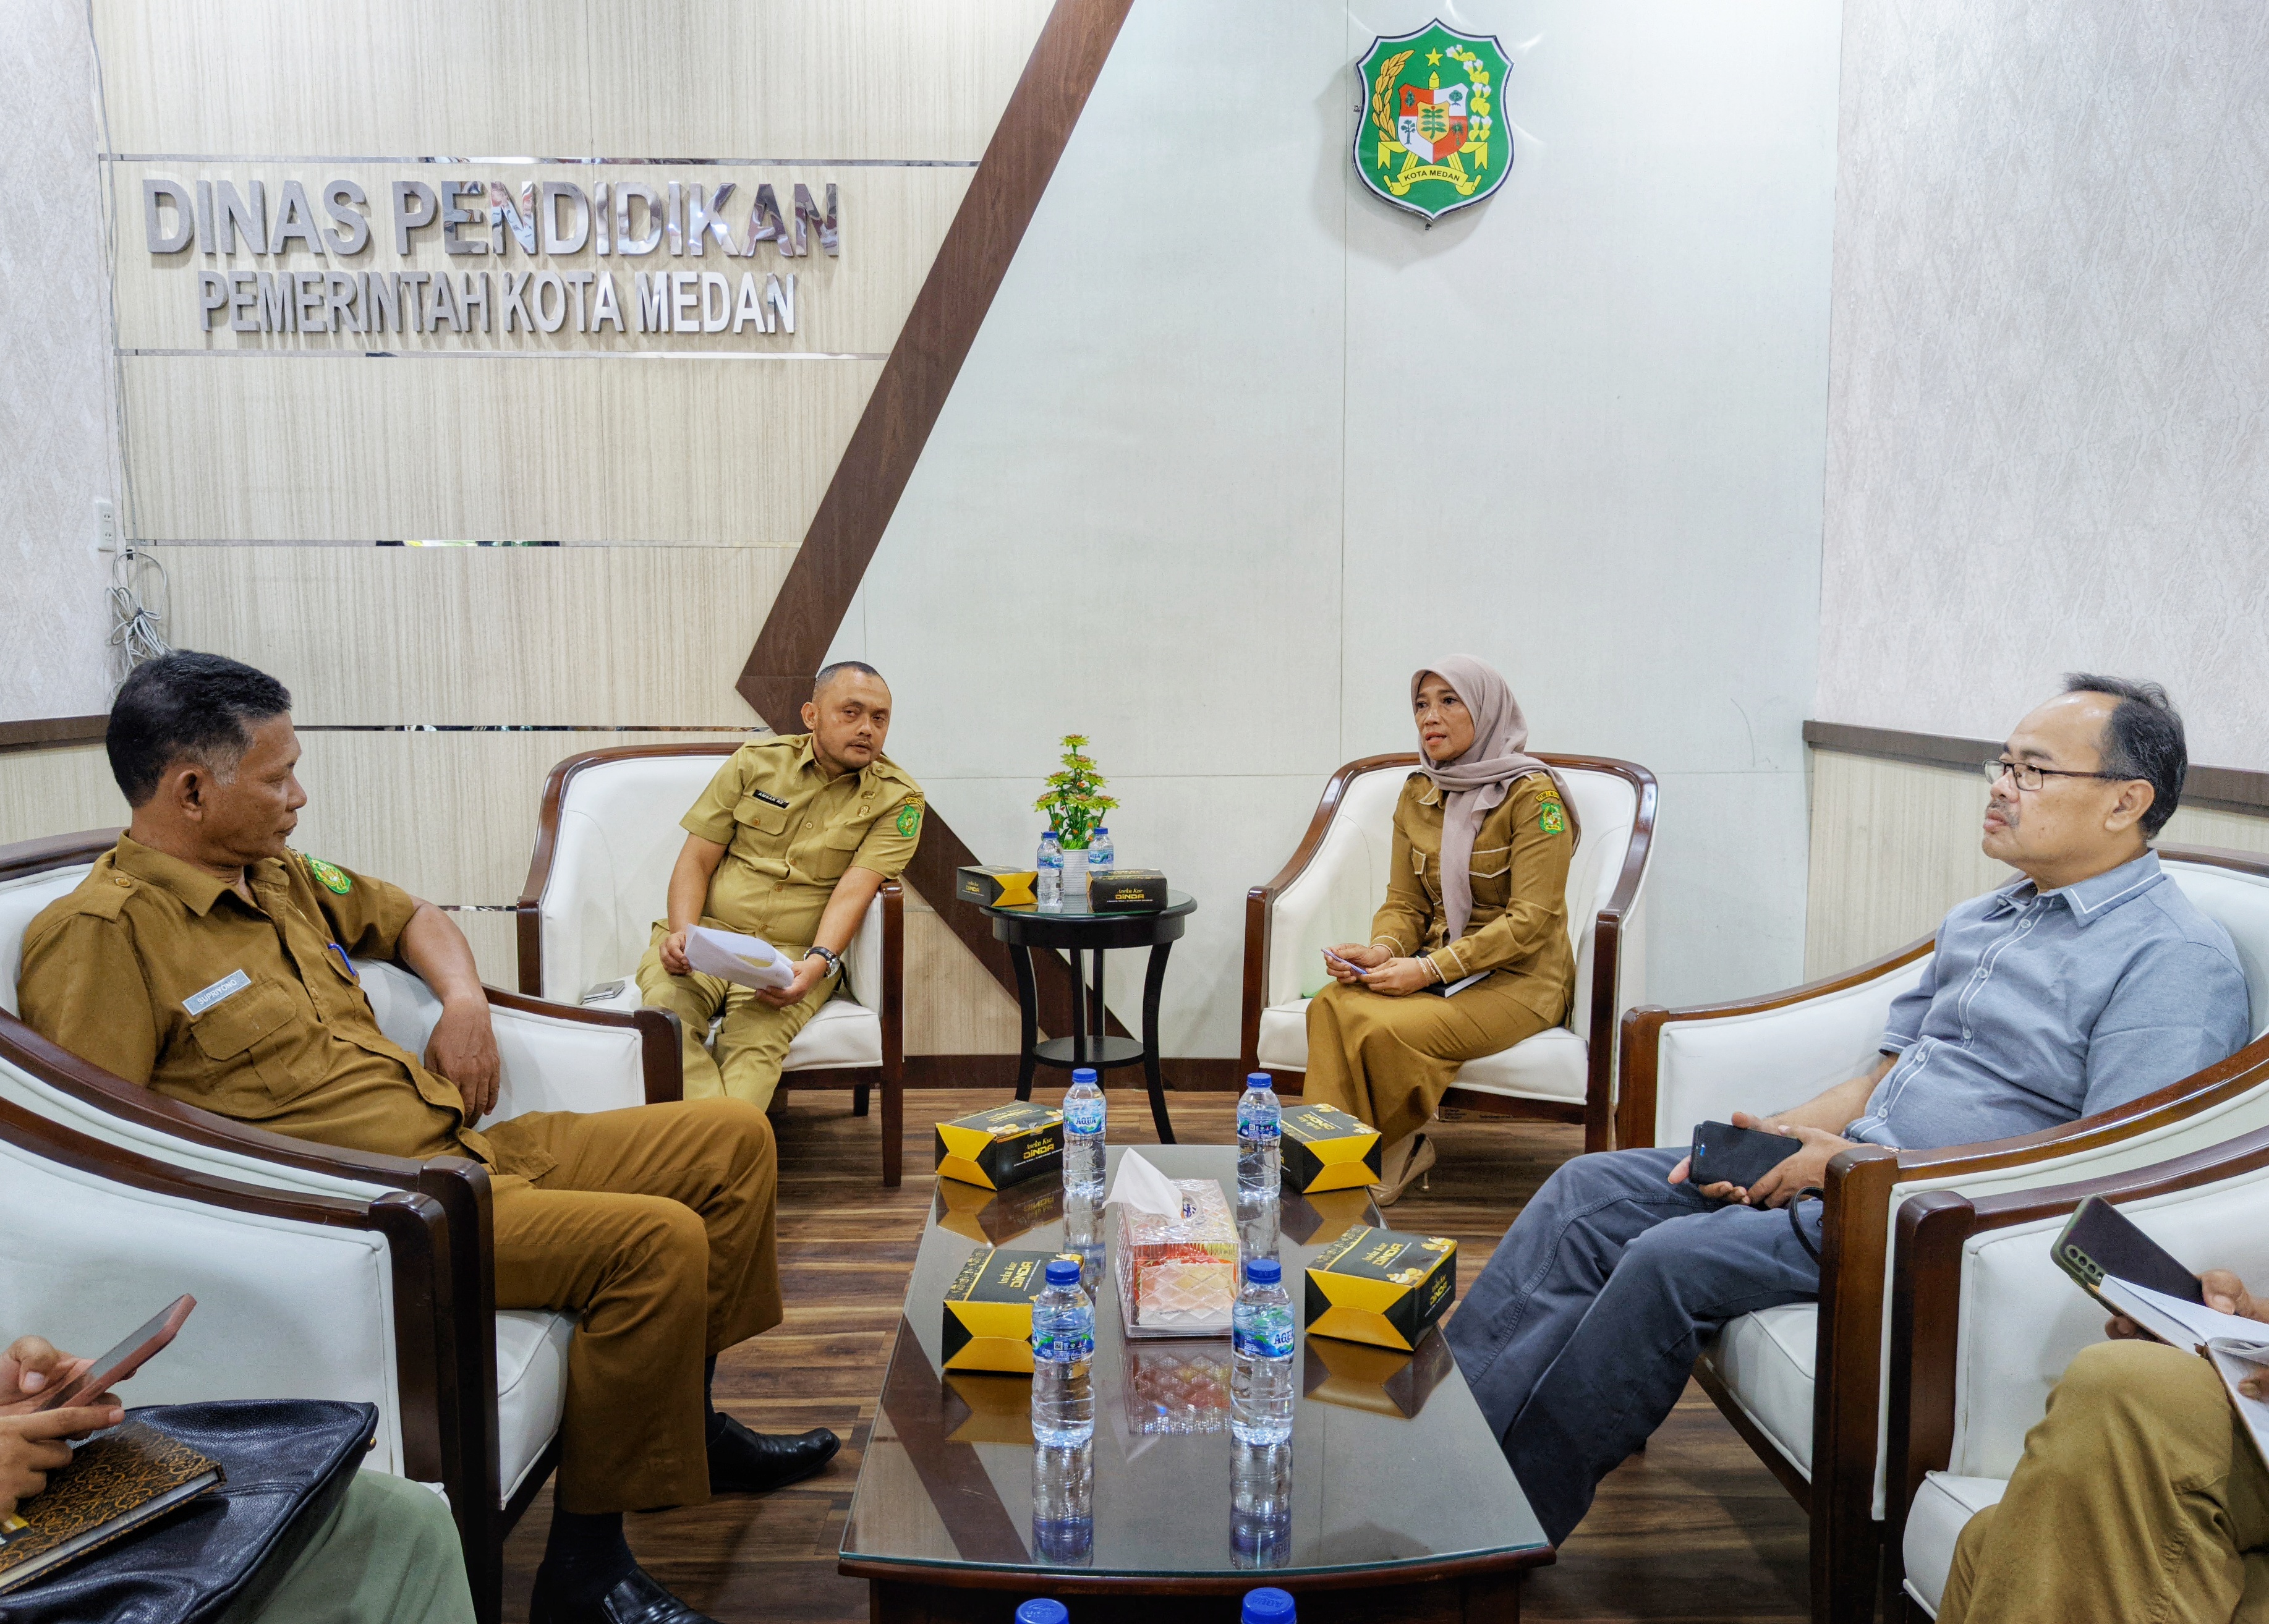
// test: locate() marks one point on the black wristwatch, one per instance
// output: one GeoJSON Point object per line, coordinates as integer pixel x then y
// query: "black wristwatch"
{"type": "Point", "coordinates": [834, 965]}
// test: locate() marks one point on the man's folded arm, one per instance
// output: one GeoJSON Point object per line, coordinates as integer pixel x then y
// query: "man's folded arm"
{"type": "Point", "coordinates": [367, 919]}
{"type": "Point", "coordinates": [82, 988]}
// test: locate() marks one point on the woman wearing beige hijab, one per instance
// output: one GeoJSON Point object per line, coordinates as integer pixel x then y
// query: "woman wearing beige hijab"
{"type": "Point", "coordinates": [1476, 887]}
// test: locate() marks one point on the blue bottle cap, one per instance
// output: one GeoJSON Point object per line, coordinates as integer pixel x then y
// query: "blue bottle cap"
{"type": "Point", "coordinates": [1260, 1080]}
{"type": "Point", "coordinates": [1081, 1073]}
{"type": "Point", "coordinates": [1040, 1609]}
{"type": "Point", "coordinates": [1268, 1606]}
{"type": "Point", "coordinates": [1261, 1272]}
{"type": "Point", "coordinates": [1062, 1271]}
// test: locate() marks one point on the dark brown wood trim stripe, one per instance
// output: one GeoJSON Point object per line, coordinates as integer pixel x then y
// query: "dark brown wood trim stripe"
{"type": "Point", "coordinates": [896, 424]}
{"type": "Point", "coordinates": [2222, 789]}
{"type": "Point", "coordinates": [42, 733]}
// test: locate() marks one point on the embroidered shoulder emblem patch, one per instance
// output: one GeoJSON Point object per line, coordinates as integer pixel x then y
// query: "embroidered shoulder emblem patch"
{"type": "Point", "coordinates": [1552, 818]}
{"type": "Point", "coordinates": [909, 818]}
{"type": "Point", "coordinates": [330, 877]}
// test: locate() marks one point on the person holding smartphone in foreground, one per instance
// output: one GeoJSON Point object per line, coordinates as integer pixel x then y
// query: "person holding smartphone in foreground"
{"type": "Point", "coordinates": [387, 1553]}
{"type": "Point", "coordinates": [2088, 983]}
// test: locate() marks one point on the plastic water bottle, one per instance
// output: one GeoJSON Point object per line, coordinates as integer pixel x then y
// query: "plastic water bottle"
{"type": "Point", "coordinates": [1261, 1368]}
{"type": "Point", "coordinates": [1260, 1506]}
{"type": "Point", "coordinates": [1260, 1135]}
{"type": "Point", "coordinates": [1083, 1218]}
{"type": "Point", "coordinates": [1063, 1352]}
{"type": "Point", "coordinates": [1042, 1610]}
{"type": "Point", "coordinates": [1083, 1118]}
{"type": "Point", "coordinates": [1100, 852]}
{"type": "Point", "coordinates": [1048, 892]}
{"type": "Point", "coordinates": [1268, 1606]}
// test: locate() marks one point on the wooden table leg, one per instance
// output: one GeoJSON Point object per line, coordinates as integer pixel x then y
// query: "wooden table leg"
{"type": "Point", "coordinates": [1027, 1007]}
{"type": "Point", "coordinates": [1153, 984]}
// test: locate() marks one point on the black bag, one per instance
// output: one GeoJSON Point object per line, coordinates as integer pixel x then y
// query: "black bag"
{"type": "Point", "coordinates": [288, 1462]}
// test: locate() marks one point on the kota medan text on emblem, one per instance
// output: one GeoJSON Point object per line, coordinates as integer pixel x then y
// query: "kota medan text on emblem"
{"type": "Point", "coordinates": [1427, 138]}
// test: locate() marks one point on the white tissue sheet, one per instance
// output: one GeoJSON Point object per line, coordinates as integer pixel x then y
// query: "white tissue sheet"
{"type": "Point", "coordinates": [1143, 1187]}
{"type": "Point", "coordinates": [746, 961]}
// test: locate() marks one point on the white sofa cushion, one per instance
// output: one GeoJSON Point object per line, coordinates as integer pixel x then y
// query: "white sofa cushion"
{"type": "Point", "coordinates": [1551, 1066]}
{"type": "Point", "coordinates": [20, 902]}
{"type": "Point", "coordinates": [531, 1346]}
{"type": "Point", "coordinates": [1942, 1507]}
{"type": "Point", "coordinates": [1766, 1360]}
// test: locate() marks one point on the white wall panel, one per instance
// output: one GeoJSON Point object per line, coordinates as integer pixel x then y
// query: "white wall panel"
{"type": "Point", "coordinates": [56, 792]}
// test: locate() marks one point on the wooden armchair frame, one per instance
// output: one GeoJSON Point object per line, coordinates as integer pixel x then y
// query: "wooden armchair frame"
{"type": "Point", "coordinates": [1927, 1302]}
{"type": "Point", "coordinates": [1856, 1248]}
{"type": "Point", "coordinates": [1597, 1023]}
{"type": "Point", "coordinates": [891, 1074]}
{"type": "Point", "coordinates": [466, 1455]}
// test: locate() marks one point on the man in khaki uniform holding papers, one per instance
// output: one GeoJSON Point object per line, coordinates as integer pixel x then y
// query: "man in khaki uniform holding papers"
{"type": "Point", "coordinates": [790, 842]}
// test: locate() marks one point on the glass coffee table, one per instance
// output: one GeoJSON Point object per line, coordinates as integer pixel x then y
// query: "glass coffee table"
{"type": "Point", "coordinates": [1392, 1481]}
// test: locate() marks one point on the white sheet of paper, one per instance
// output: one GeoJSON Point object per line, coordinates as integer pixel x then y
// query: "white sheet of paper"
{"type": "Point", "coordinates": [2186, 1325]}
{"type": "Point", "coordinates": [747, 960]}
{"type": "Point", "coordinates": [1143, 1187]}
{"type": "Point", "coordinates": [2234, 1361]}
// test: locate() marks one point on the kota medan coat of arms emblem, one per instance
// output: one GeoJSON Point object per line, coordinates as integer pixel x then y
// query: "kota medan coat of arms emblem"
{"type": "Point", "coordinates": [1428, 139]}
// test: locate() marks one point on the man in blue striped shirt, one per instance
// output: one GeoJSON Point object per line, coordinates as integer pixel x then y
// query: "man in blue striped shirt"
{"type": "Point", "coordinates": [2088, 983]}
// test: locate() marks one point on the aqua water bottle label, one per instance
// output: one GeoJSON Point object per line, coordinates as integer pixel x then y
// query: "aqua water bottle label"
{"type": "Point", "coordinates": [1264, 1333]}
{"type": "Point", "coordinates": [1057, 1346]}
{"type": "Point", "coordinates": [1083, 1116]}
{"type": "Point", "coordinates": [1252, 1123]}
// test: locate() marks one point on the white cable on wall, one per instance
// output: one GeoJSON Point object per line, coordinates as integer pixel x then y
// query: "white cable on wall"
{"type": "Point", "coordinates": [137, 631]}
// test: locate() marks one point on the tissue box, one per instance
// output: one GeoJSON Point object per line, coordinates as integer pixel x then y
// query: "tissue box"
{"type": "Point", "coordinates": [1327, 1149]}
{"type": "Point", "coordinates": [1126, 890]}
{"type": "Point", "coordinates": [1357, 1377]}
{"type": "Point", "coordinates": [996, 1215]}
{"type": "Point", "coordinates": [1177, 1275]}
{"type": "Point", "coordinates": [1377, 1286]}
{"type": "Point", "coordinates": [1176, 1391]}
{"type": "Point", "coordinates": [1001, 1147]}
{"type": "Point", "coordinates": [989, 1310]}
{"type": "Point", "coordinates": [990, 887]}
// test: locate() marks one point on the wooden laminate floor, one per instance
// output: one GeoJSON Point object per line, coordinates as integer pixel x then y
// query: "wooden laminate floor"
{"type": "Point", "coordinates": [1694, 1529]}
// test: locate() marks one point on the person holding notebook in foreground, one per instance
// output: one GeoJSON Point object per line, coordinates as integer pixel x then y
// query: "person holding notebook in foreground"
{"type": "Point", "coordinates": [2140, 1494]}
{"type": "Point", "coordinates": [2088, 983]}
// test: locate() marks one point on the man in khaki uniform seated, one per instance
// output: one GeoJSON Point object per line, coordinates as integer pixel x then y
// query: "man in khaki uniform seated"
{"type": "Point", "coordinates": [790, 842]}
{"type": "Point", "coordinates": [205, 960]}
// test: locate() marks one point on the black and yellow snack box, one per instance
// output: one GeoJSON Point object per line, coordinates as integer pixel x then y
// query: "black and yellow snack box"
{"type": "Point", "coordinates": [998, 1216]}
{"type": "Point", "coordinates": [1378, 1287]}
{"type": "Point", "coordinates": [1001, 1147]}
{"type": "Point", "coordinates": [990, 887]}
{"type": "Point", "coordinates": [1126, 890]}
{"type": "Point", "coordinates": [1359, 1376]}
{"type": "Point", "coordinates": [1326, 1149]}
{"type": "Point", "coordinates": [989, 1310]}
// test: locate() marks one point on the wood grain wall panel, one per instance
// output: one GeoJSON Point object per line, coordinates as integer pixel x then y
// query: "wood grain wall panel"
{"type": "Point", "coordinates": [621, 636]}
{"type": "Point", "coordinates": [54, 791]}
{"type": "Point", "coordinates": [1895, 845]}
{"type": "Point", "coordinates": [953, 1004]}
{"type": "Point", "coordinates": [260, 448]}
{"type": "Point", "coordinates": [851, 303]}
{"type": "Point", "coordinates": [449, 816]}
{"type": "Point", "coordinates": [861, 79]}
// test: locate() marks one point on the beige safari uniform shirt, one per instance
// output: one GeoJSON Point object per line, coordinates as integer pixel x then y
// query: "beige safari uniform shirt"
{"type": "Point", "coordinates": [789, 832]}
{"type": "Point", "coordinates": [160, 973]}
{"type": "Point", "coordinates": [1519, 878]}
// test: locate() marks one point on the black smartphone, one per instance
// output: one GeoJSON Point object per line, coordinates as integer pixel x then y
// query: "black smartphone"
{"type": "Point", "coordinates": [1725, 1154]}
{"type": "Point", "coordinates": [2101, 1240]}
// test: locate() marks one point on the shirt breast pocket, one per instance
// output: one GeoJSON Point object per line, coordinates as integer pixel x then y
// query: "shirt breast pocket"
{"type": "Point", "coordinates": [761, 817]}
{"type": "Point", "coordinates": [837, 847]}
{"type": "Point", "coordinates": [1490, 863]}
{"type": "Point", "coordinates": [255, 1030]}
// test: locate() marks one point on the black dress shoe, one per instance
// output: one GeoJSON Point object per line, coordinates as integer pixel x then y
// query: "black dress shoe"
{"type": "Point", "coordinates": [635, 1600]}
{"type": "Point", "coordinates": [742, 1462]}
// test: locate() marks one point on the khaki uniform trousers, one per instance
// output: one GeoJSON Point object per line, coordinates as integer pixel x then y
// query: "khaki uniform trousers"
{"type": "Point", "coordinates": [1388, 1060]}
{"type": "Point", "coordinates": [655, 1229]}
{"type": "Point", "coordinates": [752, 1039]}
{"type": "Point", "coordinates": [2140, 1497]}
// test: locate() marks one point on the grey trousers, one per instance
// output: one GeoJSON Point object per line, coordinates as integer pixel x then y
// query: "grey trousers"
{"type": "Point", "coordinates": [1577, 1337]}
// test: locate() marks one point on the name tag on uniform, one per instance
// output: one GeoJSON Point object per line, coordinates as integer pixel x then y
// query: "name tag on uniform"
{"type": "Point", "coordinates": [770, 800]}
{"type": "Point", "coordinates": [196, 1003]}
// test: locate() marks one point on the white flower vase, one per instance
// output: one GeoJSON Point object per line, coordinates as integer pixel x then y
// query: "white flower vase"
{"type": "Point", "coordinates": [1075, 880]}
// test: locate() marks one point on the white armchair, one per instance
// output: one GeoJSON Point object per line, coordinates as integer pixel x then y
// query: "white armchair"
{"type": "Point", "coordinates": [1983, 1323]}
{"type": "Point", "coordinates": [1335, 881]}
{"type": "Point", "coordinates": [607, 835]}
{"type": "Point", "coordinates": [483, 1388]}
{"type": "Point", "coordinates": [1803, 1384]}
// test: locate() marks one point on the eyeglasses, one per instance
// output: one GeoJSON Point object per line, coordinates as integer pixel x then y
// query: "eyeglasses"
{"type": "Point", "coordinates": [2027, 777]}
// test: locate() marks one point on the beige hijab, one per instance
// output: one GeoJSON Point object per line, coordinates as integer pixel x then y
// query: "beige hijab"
{"type": "Point", "coordinates": [1477, 781]}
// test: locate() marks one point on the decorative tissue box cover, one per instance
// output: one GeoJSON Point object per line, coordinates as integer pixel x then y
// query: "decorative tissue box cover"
{"type": "Point", "coordinates": [1178, 1276]}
